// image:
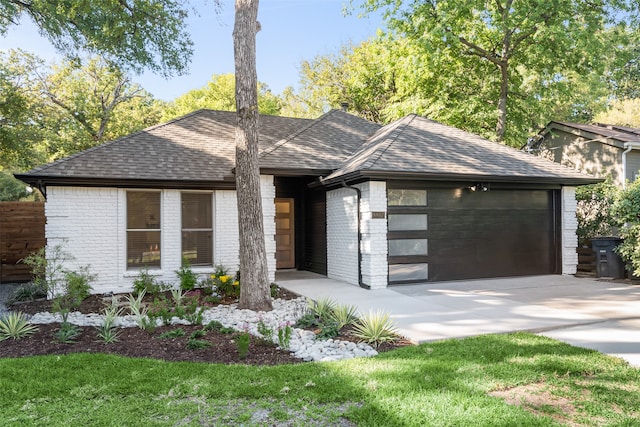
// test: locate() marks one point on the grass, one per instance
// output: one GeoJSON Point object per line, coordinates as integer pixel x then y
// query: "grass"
{"type": "Point", "coordinates": [448, 383]}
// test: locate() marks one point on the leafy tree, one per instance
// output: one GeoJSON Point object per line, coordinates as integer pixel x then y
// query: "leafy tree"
{"type": "Point", "coordinates": [21, 113]}
{"type": "Point", "coordinates": [140, 34]}
{"type": "Point", "coordinates": [254, 292]}
{"type": "Point", "coordinates": [543, 38]}
{"type": "Point", "coordinates": [94, 103]}
{"type": "Point", "coordinates": [219, 94]}
{"type": "Point", "coordinates": [12, 190]}
{"type": "Point", "coordinates": [625, 112]}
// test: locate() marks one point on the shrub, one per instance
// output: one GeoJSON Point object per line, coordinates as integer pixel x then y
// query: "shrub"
{"type": "Point", "coordinates": [48, 268]}
{"type": "Point", "coordinates": [16, 326]}
{"type": "Point", "coordinates": [226, 284]}
{"type": "Point", "coordinates": [194, 344]}
{"type": "Point", "coordinates": [77, 286]}
{"type": "Point", "coordinates": [242, 343]}
{"type": "Point", "coordinates": [107, 331]}
{"type": "Point", "coordinates": [146, 282]}
{"type": "Point", "coordinates": [595, 210]}
{"type": "Point", "coordinates": [627, 209]}
{"type": "Point", "coordinates": [188, 279]}
{"type": "Point", "coordinates": [67, 333]}
{"type": "Point", "coordinates": [344, 315]}
{"type": "Point", "coordinates": [322, 308]}
{"type": "Point", "coordinates": [176, 333]}
{"type": "Point", "coordinates": [375, 328]}
{"type": "Point", "coordinates": [28, 292]}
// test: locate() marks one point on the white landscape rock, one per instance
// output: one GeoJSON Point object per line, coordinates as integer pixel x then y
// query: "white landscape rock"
{"type": "Point", "coordinates": [303, 344]}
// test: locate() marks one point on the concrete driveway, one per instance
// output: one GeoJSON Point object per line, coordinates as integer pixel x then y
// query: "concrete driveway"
{"type": "Point", "coordinates": [590, 313]}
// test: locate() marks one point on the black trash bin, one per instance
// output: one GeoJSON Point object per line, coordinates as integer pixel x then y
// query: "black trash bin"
{"type": "Point", "coordinates": [608, 262]}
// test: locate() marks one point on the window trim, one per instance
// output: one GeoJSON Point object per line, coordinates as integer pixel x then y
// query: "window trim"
{"type": "Point", "coordinates": [154, 269]}
{"type": "Point", "coordinates": [212, 229]}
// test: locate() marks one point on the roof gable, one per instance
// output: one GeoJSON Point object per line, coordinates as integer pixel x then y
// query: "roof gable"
{"type": "Point", "coordinates": [419, 146]}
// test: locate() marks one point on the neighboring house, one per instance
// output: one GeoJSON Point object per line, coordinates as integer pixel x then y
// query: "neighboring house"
{"type": "Point", "coordinates": [412, 201]}
{"type": "Point", "coordinates": [597, 149]}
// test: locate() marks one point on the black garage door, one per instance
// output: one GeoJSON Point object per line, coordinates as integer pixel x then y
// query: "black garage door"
{"type": "Point", "coordinates": [438, 234]}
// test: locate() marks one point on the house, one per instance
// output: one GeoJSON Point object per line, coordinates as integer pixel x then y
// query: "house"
{"type": "Point", "coordinates": [412, 201]}
{"type": "Point", "coordinates": [597, 149]}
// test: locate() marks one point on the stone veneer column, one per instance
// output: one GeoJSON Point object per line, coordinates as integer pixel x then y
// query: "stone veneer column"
{"type": "Point", "coordinates": [373, 227]}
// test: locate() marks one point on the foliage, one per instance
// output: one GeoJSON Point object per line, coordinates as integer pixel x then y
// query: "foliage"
{"type": "Point", "coordinates": [13, 190]}
{"type": "Point", "coordinates": [375, 328]}
{"type": "Point", "coordinates": [265, 331]}
{"type": "Point", "coordinates": [627, 210]}
{"type": "Point", "coordinates": [67, 333]}
{"type": "Point", "coordinates": [48, 266]}
{"type": "Point", "coordinates": [507, 43]}
{"type": "Point", "coordinates": [55, 111]}
{"type": "Point", "coordinates": [623, 112]}
{"type": "Point", "coordinates": [15, 326]}
{"type": "Point", "coordinates": [136, 306]}
{"type": "Point", "coordinates": [107, 331]}
{"type": "Point", "coordinates": [322, 308]}
{"type": "Point", "coordinates": [213, 325]}
{"type": "Point", "coordinates": [344, 315]}
{"type": "Point", "coordinates": [175, 333]}
{"type": "Point", "coordinates": [77, 287]}
{"type": "Point", "coordinates": [284, 335]}
{"type": "Point", "coordinates": [188, 279]}
{"type": "Point", "coordinates": [219, 94]}
{"type": "Point", "coordinates": [28, 292]}
{"type": "Point", "coordinates": [242, 342]}
{"type": "Point", "coordinates": [177, 295]}
{"type": "Point", "coordinates": [195, 344]}
{"type": "Point", "coordinates": [140, 34]}
{"type": "Point", "coordinates": [146, 283]}
{"type": "Point", "coordinates": [594, 210]}
{"type": "Point", "coordinates": [226, 284]}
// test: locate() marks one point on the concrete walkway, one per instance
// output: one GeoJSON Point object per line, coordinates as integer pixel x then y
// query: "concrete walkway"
{"type": "Point", "coordinates": [585, 312]}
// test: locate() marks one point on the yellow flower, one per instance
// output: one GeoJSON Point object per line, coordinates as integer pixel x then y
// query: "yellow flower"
{"type": "Point", "coordinates": [236, 283]}
{"type": "Point", "coordinates": [224, 279]}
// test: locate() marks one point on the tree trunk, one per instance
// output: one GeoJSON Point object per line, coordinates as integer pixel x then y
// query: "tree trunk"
{"type": "Point", "coordinates": [502, 102]}
{"type": "Point", "coordinates": [254, 278]}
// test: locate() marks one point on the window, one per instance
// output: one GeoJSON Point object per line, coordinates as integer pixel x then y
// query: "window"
{"type": "Point", "coordinates": [197, 228]}
{"type": "Point", "coordinates": [398, 197]}
{"type": "Point", "coordinates": [143, 229]}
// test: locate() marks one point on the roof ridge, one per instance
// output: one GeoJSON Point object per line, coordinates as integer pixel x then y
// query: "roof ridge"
{"type": "Point", "coordinates": [273, 147]}
{"type": "Point", "coordinates": [394, 134]}
{"type": "Point", "coordinates": [112, 142]}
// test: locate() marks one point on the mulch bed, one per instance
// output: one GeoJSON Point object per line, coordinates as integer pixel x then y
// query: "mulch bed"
{"type": "Point", "coordinates": [135, 342]}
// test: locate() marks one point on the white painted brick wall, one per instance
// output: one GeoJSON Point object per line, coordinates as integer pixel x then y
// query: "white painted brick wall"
{"type": "Point", "coordinates": [569, 227]}
{"type": "Point", "coordinates": [91, 224]}
{"type": "Point", "coordinates": [342, 236]}
{"type": "Point", "coordinates": [374, 234]}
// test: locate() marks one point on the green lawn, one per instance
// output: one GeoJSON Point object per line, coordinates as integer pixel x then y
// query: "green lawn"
{"type": "Point", "coordinates": [449, 383]}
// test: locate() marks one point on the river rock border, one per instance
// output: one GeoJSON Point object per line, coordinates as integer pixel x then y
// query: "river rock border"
{"type": "Point", "coordinates": [303, 344]}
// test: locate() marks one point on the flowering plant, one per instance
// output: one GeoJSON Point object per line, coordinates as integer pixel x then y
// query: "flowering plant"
{"type": "Point", "coordinates": [226, 284]}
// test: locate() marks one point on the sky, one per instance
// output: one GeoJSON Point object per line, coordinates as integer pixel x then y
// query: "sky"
{"type": "Point", "coordinates": [292, 31]}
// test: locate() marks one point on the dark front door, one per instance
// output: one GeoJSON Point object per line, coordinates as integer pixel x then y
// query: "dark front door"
{"type": "Point", "coordinates": [464, 234]}
{"type": "Point", "coordinates": [285, 233]}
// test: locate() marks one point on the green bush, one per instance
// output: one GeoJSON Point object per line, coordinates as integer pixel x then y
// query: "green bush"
{"type": "Point", "coordinates": [188, 279]}
{"type": "Point", "coordinates": [375, 328]}
{"type": "Point", "coordinates": [595, 210]}
{"type": "Point", "coordinates": [627, 209]}
{"type": "Point", "coordinates": [146, 282]}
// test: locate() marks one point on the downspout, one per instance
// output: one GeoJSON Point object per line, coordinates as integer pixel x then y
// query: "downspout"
{"type": "Point", "coordinates": [358, 198]}
{"type": "Point", "coordinates": [628, 147]}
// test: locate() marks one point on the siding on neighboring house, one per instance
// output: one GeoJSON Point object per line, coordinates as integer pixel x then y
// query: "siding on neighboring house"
{"type": "Point", "coordinates": [633, 165]}
{"type": "Point", "coordinates": [342, 235]}
{"type": "Point", "coordinates": [584, 154]}
{"type": "Point", "coordinates": [90, 223]}
{"type": "Point", "coordinates": [569, 227]}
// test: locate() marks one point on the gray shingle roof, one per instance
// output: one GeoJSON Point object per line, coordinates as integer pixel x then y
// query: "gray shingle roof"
{"type": "Point", "coordinates": [618, 133]}
{"type": "Point", "coordinates": [197, 147]}
{"type": "Point", "coordinates": [198, 150]}
{"type": "Point", "coordinates": [419, 146]}
{"type": "Point", "coordinates": [322, 145]}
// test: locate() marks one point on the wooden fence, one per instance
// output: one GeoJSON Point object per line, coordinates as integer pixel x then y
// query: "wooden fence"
{"type": "Point", "coordinates": [21, 233]}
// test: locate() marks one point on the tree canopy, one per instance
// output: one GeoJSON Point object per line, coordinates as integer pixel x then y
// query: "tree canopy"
{"type": "Point", "coordinates": [219, 94]}
{"type": "Point", "coordinates": [133, 34]}
{"type": "Point", "coordinates": [493, 59]}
